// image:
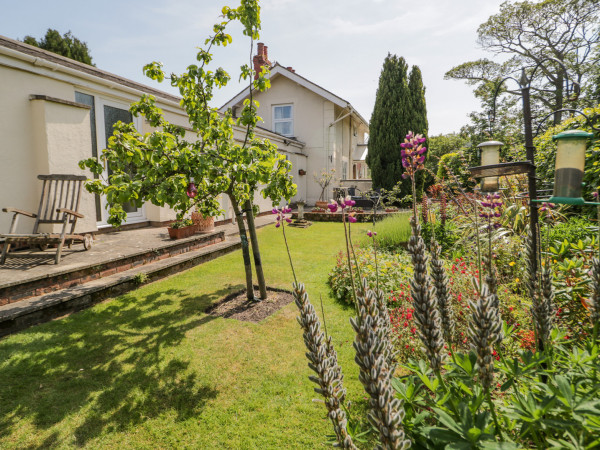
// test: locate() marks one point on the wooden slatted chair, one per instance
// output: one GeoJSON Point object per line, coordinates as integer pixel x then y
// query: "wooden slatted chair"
{"type": "Point", "coordinates": [59, 204]}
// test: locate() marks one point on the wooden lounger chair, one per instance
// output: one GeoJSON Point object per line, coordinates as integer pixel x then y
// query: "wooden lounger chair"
{"type": "Point", "coordinates": [59, 204]}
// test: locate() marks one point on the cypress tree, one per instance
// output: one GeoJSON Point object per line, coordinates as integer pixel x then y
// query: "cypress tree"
{"type": "Point", "coordinates": [418, 118]}
{"type": "Point", "coordinates": [389, 122]}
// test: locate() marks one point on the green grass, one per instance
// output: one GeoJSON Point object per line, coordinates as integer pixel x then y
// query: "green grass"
{"type": "Point", "coordinates": [393, 231]}
{"type": "Point", "coordinates": [150, 369]}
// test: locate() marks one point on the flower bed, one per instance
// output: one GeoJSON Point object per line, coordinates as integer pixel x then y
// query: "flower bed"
{"type": "Point", "coordinates": [337, 217]}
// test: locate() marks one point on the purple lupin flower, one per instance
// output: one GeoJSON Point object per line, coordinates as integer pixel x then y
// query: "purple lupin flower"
{"type": "Point", "coordinates": [281, 215]}
{"type": "Point", "coordinates": [413, 154]}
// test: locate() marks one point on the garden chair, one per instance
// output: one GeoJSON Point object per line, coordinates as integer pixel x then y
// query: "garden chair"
{"type": "Point", "coordinates": [58, 205]}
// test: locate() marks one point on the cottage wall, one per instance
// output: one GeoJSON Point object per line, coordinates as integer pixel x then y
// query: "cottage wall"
{"type": "Point", "coordinates": [43, 130]}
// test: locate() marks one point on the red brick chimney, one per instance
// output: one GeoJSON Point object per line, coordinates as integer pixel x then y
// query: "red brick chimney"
{"type": "Point", "coordinates": [261, 59]}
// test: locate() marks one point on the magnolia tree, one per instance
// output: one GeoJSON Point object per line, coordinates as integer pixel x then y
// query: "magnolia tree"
{"type": "Point", "coordinates": [189, 170]}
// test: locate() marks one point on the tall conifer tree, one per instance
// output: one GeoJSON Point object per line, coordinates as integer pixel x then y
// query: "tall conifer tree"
{"type": "Point", "coordinates": [389, 122]}
{"type": "Point", "coordinates": [418, 118]}
{"type": "Point", "coordinates": [399, 108]}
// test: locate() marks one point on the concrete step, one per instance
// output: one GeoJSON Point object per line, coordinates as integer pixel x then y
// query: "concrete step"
{"type": "Point", "coordinates": [42, 308]}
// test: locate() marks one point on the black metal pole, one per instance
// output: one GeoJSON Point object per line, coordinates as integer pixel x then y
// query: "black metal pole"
{"type": "Point", "coordinates": [530, 150]}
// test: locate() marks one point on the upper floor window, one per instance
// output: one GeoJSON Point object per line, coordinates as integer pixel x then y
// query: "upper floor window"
{"type": "Point", "coordinates": [283, 120]}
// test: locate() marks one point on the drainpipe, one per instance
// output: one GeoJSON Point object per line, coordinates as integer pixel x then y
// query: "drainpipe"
{"type": "Point", "coordinates": [350, 111]}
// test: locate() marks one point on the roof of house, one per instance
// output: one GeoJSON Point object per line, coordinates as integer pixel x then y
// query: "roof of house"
{"type": "Point", "coordinates": [61, 61]}
{"type": "Point", "coordinates": [278, 70]}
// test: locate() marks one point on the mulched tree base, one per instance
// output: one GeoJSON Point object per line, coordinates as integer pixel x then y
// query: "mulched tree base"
{"type": "Point", "coordinates": [236, 305]}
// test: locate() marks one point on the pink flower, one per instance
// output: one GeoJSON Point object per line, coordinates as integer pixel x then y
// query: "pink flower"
{"type": "Point", "coordinates": [371, 233]}
{"type": "Point", "coordinates": [351, 218]}
{"type": "Point", "coordinates": [191, 191]}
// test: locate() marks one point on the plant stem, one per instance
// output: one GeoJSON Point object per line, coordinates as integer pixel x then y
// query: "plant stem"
{"type": "Point", "coordinates": [376, 268]}
{"type": "Point", "coordinates": [349, 261]}
{"type": "Point", "coordinates": [494, 416]}
{"type": "Point", "coordinates": [287, 247]}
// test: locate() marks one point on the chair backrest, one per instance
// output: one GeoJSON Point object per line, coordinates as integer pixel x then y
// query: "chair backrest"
{"type": "Point", "coordinates": [59, 191]}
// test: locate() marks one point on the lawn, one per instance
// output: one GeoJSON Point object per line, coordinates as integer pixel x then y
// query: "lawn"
{"type": "Point", "coordinates": [151, 370]}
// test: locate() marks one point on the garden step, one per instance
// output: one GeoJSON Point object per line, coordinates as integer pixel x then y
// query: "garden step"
{"type": "Point", "coordinates": [42, 308]}
{"type": "Point", "coordinates": [20, 285]}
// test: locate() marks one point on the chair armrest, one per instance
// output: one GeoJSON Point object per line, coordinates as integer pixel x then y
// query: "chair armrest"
{"type": "Point", "coordinates": [69, 211]}
{"type": "Point", "coordinates": [19, 211]}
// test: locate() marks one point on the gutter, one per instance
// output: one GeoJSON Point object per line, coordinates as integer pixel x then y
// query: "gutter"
{"type": "Point", "coordinates": [71, 72]}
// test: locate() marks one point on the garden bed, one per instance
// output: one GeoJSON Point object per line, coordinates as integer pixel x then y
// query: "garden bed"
{"type": "Point", "coordinates": [237, 306]}
{"type": "Point", "coordinates": [337, 217]}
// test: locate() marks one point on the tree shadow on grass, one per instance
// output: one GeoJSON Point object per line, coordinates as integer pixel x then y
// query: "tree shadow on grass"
{"type": "Point", "coordinates": [113, 367]}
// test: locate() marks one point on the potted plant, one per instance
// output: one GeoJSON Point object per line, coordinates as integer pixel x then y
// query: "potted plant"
{"type": "Point", "coordinates": [203, 224]}
{"type": "Point", "coordinates": [181, 228]}
{"type": "Point", "coordinates": [324, 179]}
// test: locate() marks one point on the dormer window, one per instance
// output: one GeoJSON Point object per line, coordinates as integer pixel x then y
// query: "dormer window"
{"type": "Point", "coordinates": [283, 120]}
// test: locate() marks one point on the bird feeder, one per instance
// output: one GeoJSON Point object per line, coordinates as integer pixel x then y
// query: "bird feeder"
{"type": "Point", "coordinates": [490, 155]}
{"type": "Point", "coordinates": [570, 164]}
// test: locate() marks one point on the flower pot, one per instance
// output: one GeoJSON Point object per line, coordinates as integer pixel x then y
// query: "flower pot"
{"type": "Point", "coordinates": [203, 224]}
{"type": "Point", "coordinates": [180, 233]}
{"type": "Point", "coordinates": [321, 204]}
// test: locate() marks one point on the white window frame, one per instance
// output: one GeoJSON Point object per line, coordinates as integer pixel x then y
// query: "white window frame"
{"type": "Point", "coordinates": [291, 119]}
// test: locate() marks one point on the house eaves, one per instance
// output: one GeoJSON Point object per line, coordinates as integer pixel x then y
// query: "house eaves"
{"type": "Point", "coordinates": [279, 70]}
{"type": "Point", "coordinates": [59, 64]}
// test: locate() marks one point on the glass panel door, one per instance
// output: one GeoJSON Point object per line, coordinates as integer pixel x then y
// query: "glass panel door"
{"type": "Point", "coordinates": [111, 113]}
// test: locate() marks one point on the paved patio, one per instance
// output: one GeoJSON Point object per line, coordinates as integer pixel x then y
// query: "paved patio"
{"type": "Point", "coordinates": [107, 247]}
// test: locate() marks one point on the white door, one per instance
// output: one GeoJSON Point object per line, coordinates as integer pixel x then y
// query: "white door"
{"type": "Point", "coordinates": [109, 113]}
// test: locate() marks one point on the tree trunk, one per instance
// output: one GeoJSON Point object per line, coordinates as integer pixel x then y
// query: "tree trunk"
{"type": "Point", "coordinates": [245, 250]}
{"type": "Point", "coordinates": [255, 250]}
{"type": "Point", "coordinates": [559, 101]}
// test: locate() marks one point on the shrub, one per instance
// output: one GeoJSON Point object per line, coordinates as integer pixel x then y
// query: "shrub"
{"type": "Point", "coordinates": [444, 235]}
{"type": "Point", "coordinates": [394, 269]}
{"type": "Point", "coordinates": [573, 230]}
{"type": "Point", "coordinates": [560, 412]}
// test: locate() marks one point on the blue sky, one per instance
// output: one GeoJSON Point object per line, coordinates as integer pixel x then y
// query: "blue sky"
{"type": "Point", "coordinates": [338, 44]}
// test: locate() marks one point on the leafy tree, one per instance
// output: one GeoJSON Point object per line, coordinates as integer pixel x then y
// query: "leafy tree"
{"type": "Point", "coordinates": [438, 146]}
{"type": "Point", "coordinates": [545, 156]}
{"type": "Point", "coordinates": [65, 45]}
{"type": "Point", "coordinates": [399, 108]}
{"type": "Point", "coordinates": [557, 35]}
{"type": "Point", "coordinates": [158, 166]}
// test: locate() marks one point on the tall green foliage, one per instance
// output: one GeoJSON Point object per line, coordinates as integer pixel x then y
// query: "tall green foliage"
{"type": "Point", "coordinates": [417, 121]}
{"type": "Point", "coordinates": [399, 108]}
{"type": "Point", "coordinates": [388, 124]}
{"type": "Point", "coordinates": [65, 45]}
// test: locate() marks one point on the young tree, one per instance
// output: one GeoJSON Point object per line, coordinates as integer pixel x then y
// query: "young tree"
{"type": "Point", "coordinates": [557, 35]}
{"type": "Point", "coordinates": [65, 45]}
{"type": "Point", "coordinates": [159, 166]}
